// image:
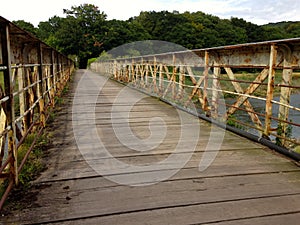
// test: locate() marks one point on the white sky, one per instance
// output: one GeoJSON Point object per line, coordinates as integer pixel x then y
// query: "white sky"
{"type": "Point", "coordinates": [255, 11]}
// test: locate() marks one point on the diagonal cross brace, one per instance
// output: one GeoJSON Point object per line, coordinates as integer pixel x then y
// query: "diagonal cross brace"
{"type": "Point", "coordinates": [243, 99]}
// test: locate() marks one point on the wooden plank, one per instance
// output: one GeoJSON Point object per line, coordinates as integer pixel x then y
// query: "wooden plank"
{"type": "Point", "coordinates": [291, 219]}
{"type": "Point", "coordinates": [205, 200]}
{"type": "Point", "coordinates": [221, 167]}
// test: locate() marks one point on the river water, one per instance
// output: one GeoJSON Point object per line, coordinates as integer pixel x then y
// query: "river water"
{"type": "Point", "coordinates": [259, 106]}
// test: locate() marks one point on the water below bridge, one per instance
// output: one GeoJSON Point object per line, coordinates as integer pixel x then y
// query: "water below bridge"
{"type": "Point", "coordinates": [259, 107]}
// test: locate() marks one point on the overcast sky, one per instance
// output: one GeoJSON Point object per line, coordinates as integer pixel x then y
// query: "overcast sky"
{"type": "Point", "coordinates": [255, 11]}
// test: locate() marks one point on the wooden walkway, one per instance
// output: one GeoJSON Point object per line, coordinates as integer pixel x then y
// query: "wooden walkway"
{"type": "Point", "coordinates": [247, 183]}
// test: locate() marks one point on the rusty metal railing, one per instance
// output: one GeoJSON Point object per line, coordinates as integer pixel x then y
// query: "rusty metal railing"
{"type": "Point", "coordinates": [32, 75]}
{"type": "Point", "coordinates": [259, 83]}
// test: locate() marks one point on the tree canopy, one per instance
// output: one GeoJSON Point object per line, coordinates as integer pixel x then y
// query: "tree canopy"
{"type": "Point", "coordinates": [85, 32]}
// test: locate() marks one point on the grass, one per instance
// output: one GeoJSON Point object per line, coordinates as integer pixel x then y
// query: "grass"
{"type": "Point", "coordinates": [33, 165]}
{"type": "Point", "coordinates": [232, 121]}
{"type": "Point", "coordinates": [297, 149]}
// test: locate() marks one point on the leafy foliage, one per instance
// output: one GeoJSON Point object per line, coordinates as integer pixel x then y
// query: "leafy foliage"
{"type": "Point", "coordinates": [26, 26]}
{"type": "Point", "coordinates": [85, 32]}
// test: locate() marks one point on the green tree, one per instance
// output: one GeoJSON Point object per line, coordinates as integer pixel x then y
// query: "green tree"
{"type": "Point", "coordinates": [82, 32]}
{"type": "Point", "coordinates": [273, 33]}
{"type": "Point", "coordinates": [229, 34]}
{"type": "Point", "coordinates": [26, 26]}
{"type": "Point", "coordinates": [253, 31]}
{"type": "Point", "coordinates": [46, 30]}
{"type": "Point", "coordinates": [191, 30]}
{"type": "Point", "coordinates": [122, 32]}
{"type": "Point", "coordinates": [293, 29]}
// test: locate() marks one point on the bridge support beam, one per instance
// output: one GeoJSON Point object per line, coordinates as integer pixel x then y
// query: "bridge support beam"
{"type": "Point", "coordinates": [270, 90]}
{"type": "Point", "coordinates": [9, 104]}
{"type": "Point", "coordinates": [285, 95]}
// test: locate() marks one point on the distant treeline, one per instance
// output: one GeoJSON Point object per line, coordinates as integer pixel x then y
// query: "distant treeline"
{"type": "Point", "coordinates": [85, 32]}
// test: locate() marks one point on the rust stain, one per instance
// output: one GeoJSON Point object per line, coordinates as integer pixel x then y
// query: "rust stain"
{"type": "Point", "coordinates": [295, 60]}
{"type": "Point", "coordinates": [248, 60]}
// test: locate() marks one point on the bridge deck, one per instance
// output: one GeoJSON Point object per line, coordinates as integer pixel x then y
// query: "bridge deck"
{"type": "Point", "coordinates": [246, 184]}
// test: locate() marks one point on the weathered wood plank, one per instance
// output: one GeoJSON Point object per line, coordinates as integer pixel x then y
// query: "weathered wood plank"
{"type": "Point", "coordinates": [189, 204]}
{"type": "Point", "coordinates": [192, 215]}
{"type": "Point", "coordinates": [291, 219]}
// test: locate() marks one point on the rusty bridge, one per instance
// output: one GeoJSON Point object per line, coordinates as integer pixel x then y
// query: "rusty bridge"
{"type": "Point", "coordinates": [205, 136]}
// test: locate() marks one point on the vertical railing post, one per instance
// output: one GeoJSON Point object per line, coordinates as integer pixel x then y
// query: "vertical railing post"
{"type": "Point", "coordinates": [215, 91]}
{"type": "Point", "coordinates": [52, 78]}
{"type": "Point", "coordinates": [128, 66]}
{"type": "Point", "coordinates": [63, 72]}
{"type": "Point", "coordinates": [142, 70]}
{"type": "Point", "coordinates": [115, 70]}
{"type": "Point", "coordinates": [41, 85]}
{"type": "Point", "coordinates": [9, 104]}
{"type": "Point", "coordinates": [161, 78]}
{"type": "Point", "coordinates": [205, 73]}
{"type": "Point", "coordinates": [124, 71]}
{"type": "Point", "coordinates": [54, 70]}
{"type": "Point", "coordinates": [121, 70]}
{"type": "Point", "coordinates": [131, 75]}
{"type": "Point", "coordinates": [270, 90]}
{"type": "Point", "coordinates": [69, 69]}
{"type": "Point", "coordinates": [22, 94]}
{"type": "Point", "coordinates": [110, 70]}
{"type": "Point", "coordinates": [154, 76]}
{"type": "Point", "coordinates": [22, 100]}
{"type": "Point", "coordinates": [285, 94]}
{"type": "Point", "coordinates": [181, 81]}
{"type": "Point", "coordinates": [147, 64]}
{"type": "Point", "coordinates": [27, 82]}
{"type": "Point", "coordinates": [173, 77]}
{"type": "Point", "coordinates": [58, 73]}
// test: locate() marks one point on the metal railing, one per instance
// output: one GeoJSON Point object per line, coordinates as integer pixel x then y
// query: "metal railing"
{"type": "Point", "coordinates": [32, 75]}
{"type": "Point", "coordinates": [253, 87]}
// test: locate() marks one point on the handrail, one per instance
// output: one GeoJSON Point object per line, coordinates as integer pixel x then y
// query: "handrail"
{"type": "Point", "coordinates": [238, 77]}
{"type": "Point", "coordinates": [32, 75]}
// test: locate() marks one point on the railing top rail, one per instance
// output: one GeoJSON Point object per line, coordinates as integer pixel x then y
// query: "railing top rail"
{"type": "Point", "coordinates": [25, 36]}
{"type": "Point", "coordinates": [251, 44]}
{"type": "Point", "coordinates": [288, 42]}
